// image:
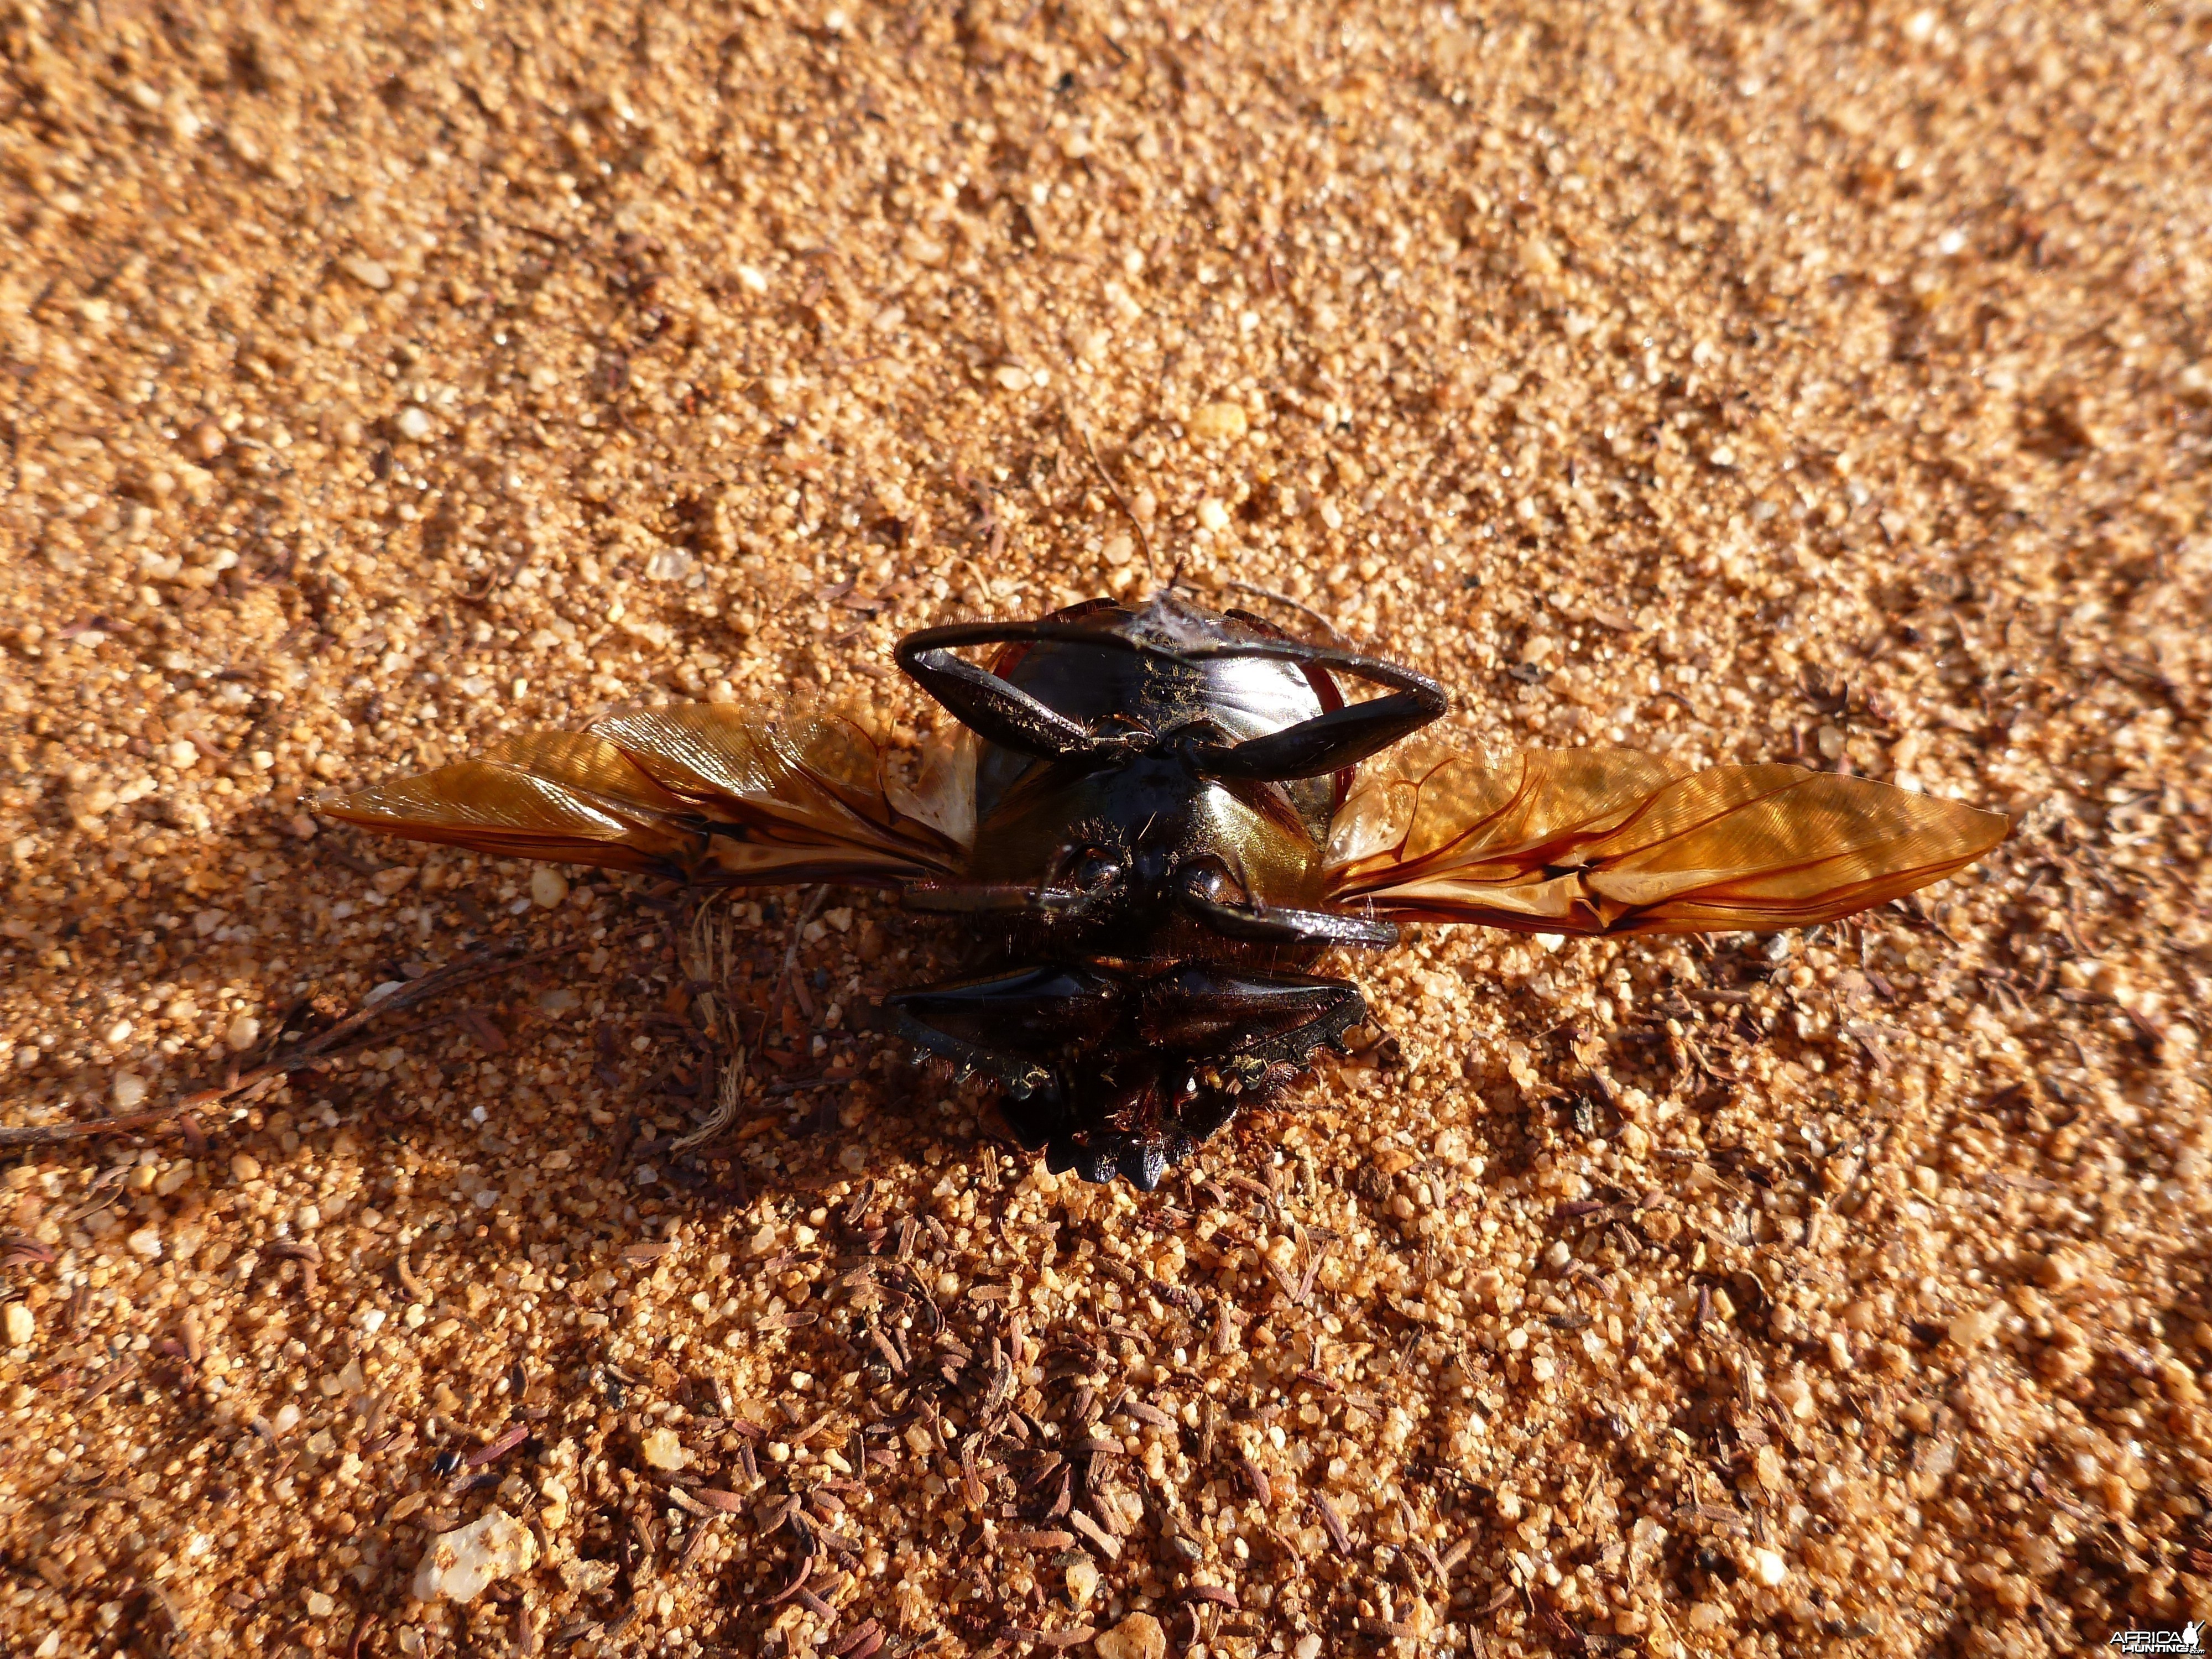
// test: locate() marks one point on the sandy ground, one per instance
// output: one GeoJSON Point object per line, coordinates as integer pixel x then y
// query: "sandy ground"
{"type": "Point", "coordinates": [1735, 382]}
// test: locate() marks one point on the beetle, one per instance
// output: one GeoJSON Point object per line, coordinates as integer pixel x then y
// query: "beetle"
{"type": "Point", "coordinates": [1163, 816]}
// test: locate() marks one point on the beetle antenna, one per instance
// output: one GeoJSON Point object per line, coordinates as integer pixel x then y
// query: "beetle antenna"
{"type": "Point", "coordinates": [1152, 571]}
{"type": "Point", "coordinates": [1327, 626]}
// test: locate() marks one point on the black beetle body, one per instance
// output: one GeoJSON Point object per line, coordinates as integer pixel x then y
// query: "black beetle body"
{"type": "Point", "coordinates": [1158, 884]}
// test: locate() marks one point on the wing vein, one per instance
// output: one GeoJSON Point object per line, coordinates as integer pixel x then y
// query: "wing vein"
{"type": "Point", "coordinates": [1609, 841]}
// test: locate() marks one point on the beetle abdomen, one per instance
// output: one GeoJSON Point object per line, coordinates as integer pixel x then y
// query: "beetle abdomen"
{"type": "Point", "coordinates": [1128, 1072]}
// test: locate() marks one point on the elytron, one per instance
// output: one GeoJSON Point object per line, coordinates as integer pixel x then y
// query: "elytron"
{"type": "Point", "coordinates": [1162, 817]}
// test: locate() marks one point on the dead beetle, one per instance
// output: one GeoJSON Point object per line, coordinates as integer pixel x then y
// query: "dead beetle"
{"type": "Point", "coordinates": [1161, 815]}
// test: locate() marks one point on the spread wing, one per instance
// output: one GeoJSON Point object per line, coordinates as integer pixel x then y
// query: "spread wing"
{"type": "Point", "coordinates": [702, 793]}
{"type": "Point", "coordinates": [1607, 841]}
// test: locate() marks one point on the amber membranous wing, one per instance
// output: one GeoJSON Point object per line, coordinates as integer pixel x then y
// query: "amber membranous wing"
{"type": "Point", "coordinates": [700, 792]}
{"type": "Point", "coordinates": [1608, 840]}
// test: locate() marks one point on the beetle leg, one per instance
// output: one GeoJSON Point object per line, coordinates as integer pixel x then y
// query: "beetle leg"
{"type": "Point", "coordinates": [1326, 742]}
{"type": "Point", "coordinates": [995, 711]}
{"type": "Point", "coordinates": [997, 898]}
{"type": "Point", "coordinates": [999, 1025]}
{"type": "Point", "coordinates": [1233, 1019]}
{"type": "Point", "coordinates": [1240, 1036]}
{"type": "Point", "coordinates": [1275, 926]}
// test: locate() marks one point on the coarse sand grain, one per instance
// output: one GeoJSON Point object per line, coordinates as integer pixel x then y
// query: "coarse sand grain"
{"type": "Point", "coordinates": [1731, 381]}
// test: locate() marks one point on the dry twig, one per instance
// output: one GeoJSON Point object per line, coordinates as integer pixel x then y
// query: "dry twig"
{"type": "Point", "coordinates": [343, 1038]}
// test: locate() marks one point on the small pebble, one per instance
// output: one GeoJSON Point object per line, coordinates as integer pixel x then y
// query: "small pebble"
{"type": "Point", "coordinates": [243, 1033]}
{"type": "Point", "coordinates": [1766, 1467]}
{"type": "Point", "coordinates": [414, 422]}
{"type": "Point", "coordinates": [369, 273]}
{"type": "Point", "coordinates": [459, 1564]}
{"type": "Point", "coordinates": [1082, 1581]}
{"type": "Point", "coordinates": [1971, 1329]}
{"type": "Point", "coordinates": [1219, 421]}
{"type": "Point", "coordinates": [1137, 1637]}
{"type": "Point", "coordinates": [204, 441]}
{"type": "Point", "coordinates": [21, 1324]}
{"type": "Point", "coordinates": [244, 1166]}
{"type": "Point", "coordinates": [127, 1091]}
{"type": "Point", "coordinates": [1797, 1395]}
{"type": "Point", "coordinates": [1768, 1567]}
{"type": "Point", "coordinates": [547, 886]}
{"type": "Point", "coordinates": [662, 1449]}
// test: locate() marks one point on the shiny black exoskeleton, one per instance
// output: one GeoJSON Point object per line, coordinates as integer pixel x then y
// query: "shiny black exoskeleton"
{"type": "Point", "coordinates": [1153, 794]}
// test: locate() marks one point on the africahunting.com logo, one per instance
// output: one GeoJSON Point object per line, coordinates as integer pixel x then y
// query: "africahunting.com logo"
{"type": "Point", "coordinates": [2189, 1638]}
